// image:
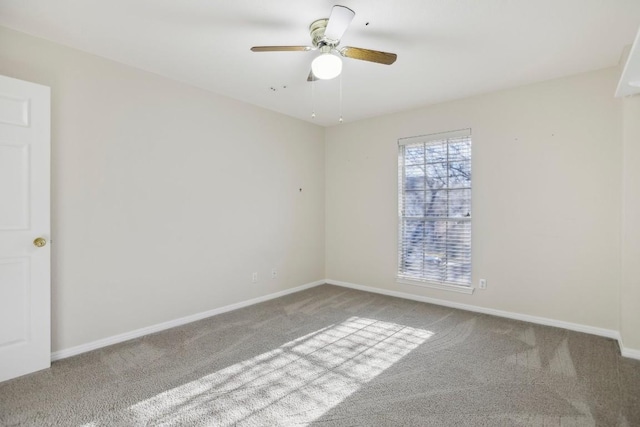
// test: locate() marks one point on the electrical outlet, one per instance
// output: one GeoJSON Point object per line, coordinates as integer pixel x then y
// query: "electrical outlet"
{"type": "Point", "coordinates": [254, 277]}
{"type": "Point", "coordinates": [274, 273]}
{"type": "Point", "coordinates": [483, 284]}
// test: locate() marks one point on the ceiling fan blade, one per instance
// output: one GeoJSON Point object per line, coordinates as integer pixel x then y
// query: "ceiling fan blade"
{"type": "Point", "coordinates": [338, 23]}
{"type": "Point", "coordinates": [281, 48]}
{"type": "Point", "coordinates": [312, 77]}
{"type": "Point", "coordinates": [368, 55]}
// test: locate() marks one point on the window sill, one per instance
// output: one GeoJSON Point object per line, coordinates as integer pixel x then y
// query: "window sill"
{"type": "Point", "coordinates": [441, 286]}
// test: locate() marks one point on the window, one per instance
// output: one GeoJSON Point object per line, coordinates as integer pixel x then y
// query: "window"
{"type": "Point", "coordinates": [434, 206]}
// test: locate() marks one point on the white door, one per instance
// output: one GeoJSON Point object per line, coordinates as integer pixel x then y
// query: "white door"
{"type": "Point", "coordinates": [25, 294]}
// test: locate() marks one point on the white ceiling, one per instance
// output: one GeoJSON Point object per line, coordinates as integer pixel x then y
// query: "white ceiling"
{"type": "Point", "coordinates": [447, 49]}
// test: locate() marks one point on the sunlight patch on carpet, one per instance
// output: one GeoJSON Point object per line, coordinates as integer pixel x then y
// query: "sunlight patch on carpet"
{"type": "Point", "coordinates": [298, 381]}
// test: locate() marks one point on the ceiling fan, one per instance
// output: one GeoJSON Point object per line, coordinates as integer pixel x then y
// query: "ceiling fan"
{"type": "Point", "coordinates": [325, 37]}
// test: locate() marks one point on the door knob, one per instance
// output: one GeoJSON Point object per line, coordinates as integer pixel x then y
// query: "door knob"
{"type": "Point", "coordinates": [40, 242]}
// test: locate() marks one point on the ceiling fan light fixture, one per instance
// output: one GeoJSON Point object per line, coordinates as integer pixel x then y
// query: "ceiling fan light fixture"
{"type": "Point", "coordinates": [326, 66]}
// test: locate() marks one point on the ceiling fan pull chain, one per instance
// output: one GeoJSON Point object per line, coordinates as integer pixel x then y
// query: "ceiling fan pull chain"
{"type": "Point", "coordinates": [313, 101]}
{"type": "Point", "coordinates": [340, 107]}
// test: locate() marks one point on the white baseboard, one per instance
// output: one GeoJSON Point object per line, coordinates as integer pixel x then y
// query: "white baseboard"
{"type": "Point", "coordinates": [608, 333]}
{"type": "Point", "coordinates": [73, 351]}
{"type": "Point", "coordinates": [628, 352]}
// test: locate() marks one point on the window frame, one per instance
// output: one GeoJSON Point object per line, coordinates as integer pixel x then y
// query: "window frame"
{"type": "Point", "coordinates": [446, 138]}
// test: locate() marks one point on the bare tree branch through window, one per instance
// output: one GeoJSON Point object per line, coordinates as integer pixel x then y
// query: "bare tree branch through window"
{"type": "Point", "coordinates": [435, 210]}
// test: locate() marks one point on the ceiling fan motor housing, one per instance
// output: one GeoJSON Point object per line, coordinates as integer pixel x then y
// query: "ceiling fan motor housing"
{"type": "Point", "coordinates": [316, 29]}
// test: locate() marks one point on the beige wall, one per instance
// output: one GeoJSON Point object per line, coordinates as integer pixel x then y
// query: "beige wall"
{"type": "Point", "coordinates": [165, 198]}
{"type": "Point", "coordinates": [630, 290]}
{"type": "Point", "coordinates": [546, 198]}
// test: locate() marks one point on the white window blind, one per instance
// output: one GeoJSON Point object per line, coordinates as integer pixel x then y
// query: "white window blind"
{"type": "Point", "coordinates": [434, 240]}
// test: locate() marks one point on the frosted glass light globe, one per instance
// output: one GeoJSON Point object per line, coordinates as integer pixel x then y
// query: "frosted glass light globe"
{"type": "Point", "coordinates": [326, 66]}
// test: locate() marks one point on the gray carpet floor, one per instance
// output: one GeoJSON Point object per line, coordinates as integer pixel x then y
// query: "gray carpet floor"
{"type": "Point", "coordinates": [330, 356]}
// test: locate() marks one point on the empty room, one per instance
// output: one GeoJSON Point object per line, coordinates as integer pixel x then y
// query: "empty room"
{"type": "Point", "coordinates": [283, 213]}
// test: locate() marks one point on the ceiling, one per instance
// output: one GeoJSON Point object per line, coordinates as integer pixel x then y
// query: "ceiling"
{"type": "Point", "coordinates": [447, 49]}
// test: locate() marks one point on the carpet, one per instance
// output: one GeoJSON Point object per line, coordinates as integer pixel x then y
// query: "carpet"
{"type": "Point", "coordinates": [331, 356]}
